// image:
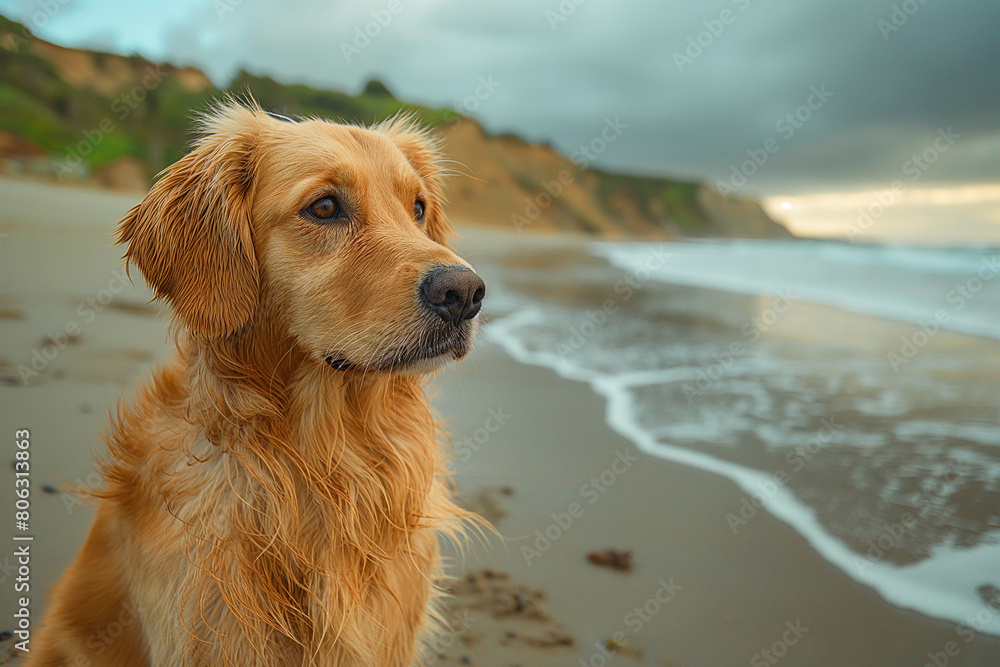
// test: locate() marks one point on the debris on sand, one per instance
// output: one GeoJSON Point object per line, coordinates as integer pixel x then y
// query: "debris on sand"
{"type": "Point", "coordinates": [486, 609]}
{"type": "Point", "coordinates": [486, 503]}
{"type": "Point", "coordinates": [616, 559]}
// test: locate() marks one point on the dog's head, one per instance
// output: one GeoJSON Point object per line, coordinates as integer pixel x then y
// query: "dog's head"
{"type": "Point", "coordinates": [332, 234]}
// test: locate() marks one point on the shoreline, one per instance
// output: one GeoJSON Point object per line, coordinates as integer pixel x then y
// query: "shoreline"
{"type": "Point", "coordinates": [734, 594]}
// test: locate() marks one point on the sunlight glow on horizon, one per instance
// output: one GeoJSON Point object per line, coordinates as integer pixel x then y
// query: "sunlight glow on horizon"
{"type": "Point", "coordinates": [961, 214]}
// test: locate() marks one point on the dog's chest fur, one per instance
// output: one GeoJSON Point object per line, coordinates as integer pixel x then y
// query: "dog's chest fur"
{"type": "Point", "coordinates": [306, 535]}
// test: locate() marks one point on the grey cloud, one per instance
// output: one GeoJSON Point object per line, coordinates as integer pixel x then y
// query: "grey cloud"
{"type": "Point", "coordinates": [890, 95]}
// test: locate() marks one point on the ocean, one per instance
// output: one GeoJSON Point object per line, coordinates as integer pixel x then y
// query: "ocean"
{"type": "Point", "coordinates": [852, 391]}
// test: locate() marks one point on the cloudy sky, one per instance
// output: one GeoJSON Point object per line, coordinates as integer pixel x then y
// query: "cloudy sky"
{"type": "Point", "coordinates": [824, 108]}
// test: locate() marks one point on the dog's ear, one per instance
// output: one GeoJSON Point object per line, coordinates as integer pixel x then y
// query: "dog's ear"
{"type": "Point", "coordinates": [191, 235]}
{"type": "Point", "coordinates": [422, 149]}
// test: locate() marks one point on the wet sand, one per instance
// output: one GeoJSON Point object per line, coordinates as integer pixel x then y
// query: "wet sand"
{"type": "Point", "coordinates": [532, 449]}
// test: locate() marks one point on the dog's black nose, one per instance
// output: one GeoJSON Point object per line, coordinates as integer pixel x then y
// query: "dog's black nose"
{"type": "Point", "coordinates": [453, 293]}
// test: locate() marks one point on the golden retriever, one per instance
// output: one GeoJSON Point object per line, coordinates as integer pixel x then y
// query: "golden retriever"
{"type": "Point", "coordinates": [274, 496]}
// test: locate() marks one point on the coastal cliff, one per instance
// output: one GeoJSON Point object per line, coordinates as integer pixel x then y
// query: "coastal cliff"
{"type": "Point", "coordinates": [116, 121]}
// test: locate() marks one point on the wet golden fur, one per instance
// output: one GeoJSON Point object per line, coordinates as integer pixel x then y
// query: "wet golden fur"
{"type": "Point", "coordinates": [261, 507]}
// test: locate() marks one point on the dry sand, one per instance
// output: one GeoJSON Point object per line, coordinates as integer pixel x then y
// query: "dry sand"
{"type": "Point", "coordinates": [698, 594]}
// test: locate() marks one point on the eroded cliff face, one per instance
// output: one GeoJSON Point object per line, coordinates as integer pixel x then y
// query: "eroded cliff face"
{"type": "Point", "coordinates": [738, 218]}
{"type": "Point", "coordinates": [109, 74]}
{"type": "Point", "coordinates": [504, 181]}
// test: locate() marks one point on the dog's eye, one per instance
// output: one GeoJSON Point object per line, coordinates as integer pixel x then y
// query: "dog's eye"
{"type": "Point", "coordinates": [325, 208]}
{"type": "Point", "coordinates": [418, 210]}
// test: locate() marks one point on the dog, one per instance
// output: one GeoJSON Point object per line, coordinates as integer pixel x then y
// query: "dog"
{"type": "Point", "coordinates": [275, 494]}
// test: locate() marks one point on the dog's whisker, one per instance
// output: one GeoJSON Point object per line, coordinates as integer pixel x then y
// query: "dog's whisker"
{"type": "Point", "coordinates": [349, 338]}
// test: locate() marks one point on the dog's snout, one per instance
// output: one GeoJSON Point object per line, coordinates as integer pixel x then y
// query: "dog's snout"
{"type": "Point", "coordinates": [453, 293]}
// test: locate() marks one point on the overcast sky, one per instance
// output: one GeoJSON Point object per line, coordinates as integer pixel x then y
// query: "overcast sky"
{"type": "Point", "coordinates": [698, 86]}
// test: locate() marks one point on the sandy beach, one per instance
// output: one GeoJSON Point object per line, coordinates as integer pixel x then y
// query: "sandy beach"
{"type": "Point", "coordinates": [533, 451]}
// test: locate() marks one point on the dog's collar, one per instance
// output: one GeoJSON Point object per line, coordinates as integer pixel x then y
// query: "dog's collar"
{"type": "Point", "coordinates": [338, 363]}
